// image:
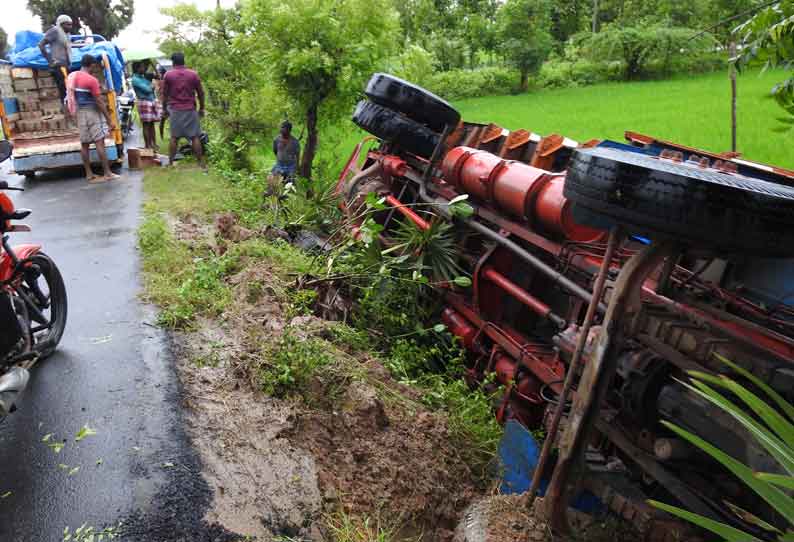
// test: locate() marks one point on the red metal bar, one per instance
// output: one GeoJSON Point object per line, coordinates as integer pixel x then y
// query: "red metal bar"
{"type": "Point", "coordinates": [546, 373]}
{"type": "Point", "coordinates": [420, 222]}
{"type": "Point", "coordinates": [535, 304]}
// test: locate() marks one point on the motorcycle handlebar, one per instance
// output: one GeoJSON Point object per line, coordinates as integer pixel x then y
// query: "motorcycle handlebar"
{"type": "Point", "coordinates": [4, 186]}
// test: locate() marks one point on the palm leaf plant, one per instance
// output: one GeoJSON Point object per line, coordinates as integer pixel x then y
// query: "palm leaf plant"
{"type": "Point", "coordinates": [770, 420]}
{"type": "Point", "coordinates": [434, 250]}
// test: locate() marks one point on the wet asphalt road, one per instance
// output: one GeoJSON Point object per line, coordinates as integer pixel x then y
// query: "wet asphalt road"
{"type": "Point", "coordinates": [112, 372]}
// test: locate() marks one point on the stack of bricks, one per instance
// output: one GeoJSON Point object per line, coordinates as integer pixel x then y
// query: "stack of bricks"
{"type": "Point", "coordinates": [6, 88]}
{"type": "Point", "coordinates": [39, 102]}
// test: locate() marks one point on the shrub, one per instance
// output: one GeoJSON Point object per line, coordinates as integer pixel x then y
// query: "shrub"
{"type": "Point", "coordinates": [642, 50]}
{"type": "Point", "coordinates": [416, 64]}
{"type": "Point", "coordinates": [459, 84]}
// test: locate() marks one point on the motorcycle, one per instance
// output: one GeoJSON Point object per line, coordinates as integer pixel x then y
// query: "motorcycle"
{"type": "Point", "coordinates": [33, 303]}
{"type": "Point", "coordinates": [126, 105]}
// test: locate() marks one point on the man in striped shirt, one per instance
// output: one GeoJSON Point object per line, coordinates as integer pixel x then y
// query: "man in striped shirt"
{"type": "Point", "coordinates": [93, 118]}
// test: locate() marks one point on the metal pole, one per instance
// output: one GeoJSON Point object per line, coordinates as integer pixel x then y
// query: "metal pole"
{"type": "Point", "coordinates": [597, 377]}
{"type": "Point", "coordinates": [535, 262]}
{"type": "Point", "coordinates": [573, 367]}
{"type": "Point", "coordinates": [733, 96]}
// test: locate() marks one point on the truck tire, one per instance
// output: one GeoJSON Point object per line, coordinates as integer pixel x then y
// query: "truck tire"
{"type": "Point", "coordinates": [704, 208]}
{"type": "Point", "coordinates": [413, 101]}
{"type": "Point", "coordinates": [395, 128]}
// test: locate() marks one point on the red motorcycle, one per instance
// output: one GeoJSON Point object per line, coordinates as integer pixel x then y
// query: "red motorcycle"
{"type": "Point", "coordinates": [32, 302]}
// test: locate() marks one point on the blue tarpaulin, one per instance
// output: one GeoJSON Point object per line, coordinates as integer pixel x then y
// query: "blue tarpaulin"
{"type": "Point", "coordinates": [26, 54]}
{"type": "Point", "coordinates": [518, 455]}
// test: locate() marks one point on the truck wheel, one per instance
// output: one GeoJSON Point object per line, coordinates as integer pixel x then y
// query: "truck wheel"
{"type": "Point", "coordinates": [413, 101]}
{"type": "Point", "coordinates": [29, 175]}
{"type": "Point", "coordinates": [702, 207]}
{"type": "Point", "coordinates": [395, 128]}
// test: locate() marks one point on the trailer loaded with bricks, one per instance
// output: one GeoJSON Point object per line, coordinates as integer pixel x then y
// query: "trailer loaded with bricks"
{"type": "Point", "coordinates": [43, 135]}
{"type": "Point", "coordinates": [601, 272]}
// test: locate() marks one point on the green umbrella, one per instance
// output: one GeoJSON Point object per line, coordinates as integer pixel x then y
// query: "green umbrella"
{"type": "Point", "coordinates": [142, 54]}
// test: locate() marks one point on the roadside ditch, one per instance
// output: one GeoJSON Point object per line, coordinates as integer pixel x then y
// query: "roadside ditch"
{"type": "Point", "coordinates": [307, 430]}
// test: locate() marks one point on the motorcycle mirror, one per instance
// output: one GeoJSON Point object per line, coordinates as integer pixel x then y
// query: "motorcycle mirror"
{"type": "Point", "coordinates": [5, 150]}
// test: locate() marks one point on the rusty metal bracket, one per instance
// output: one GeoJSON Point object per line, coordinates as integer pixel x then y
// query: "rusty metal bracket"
{"type": "Point", "coordinates": [573, 368]}
{"type": "Point", "coordinates": [598, 374]}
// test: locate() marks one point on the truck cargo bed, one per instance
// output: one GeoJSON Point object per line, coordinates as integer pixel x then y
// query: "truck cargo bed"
{"type": "Point", "coordinates": [54, 150]}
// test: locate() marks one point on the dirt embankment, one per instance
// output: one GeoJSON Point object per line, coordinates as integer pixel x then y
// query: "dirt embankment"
{"type": "Point", "coordinates": [356, 445]}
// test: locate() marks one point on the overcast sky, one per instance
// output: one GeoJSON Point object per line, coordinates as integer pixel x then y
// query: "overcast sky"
{"type": "Point", "coordinates": [141, 33]}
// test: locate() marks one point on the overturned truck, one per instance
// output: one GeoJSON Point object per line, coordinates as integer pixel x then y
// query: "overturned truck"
{"type": "Point", "coordinates": [601, 272]}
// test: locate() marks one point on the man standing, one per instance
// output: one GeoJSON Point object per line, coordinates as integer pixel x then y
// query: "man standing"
{"type": "Point", "coordinates": [287, 149]}
{"type": "Point", "coordinates": [148, 106]}
{"type": "Point", "coordinates": [59, 54]}
{"type": "Point", "coordinates": [180, 88]}
{"type": "Point", "coordinates": [93, 117]}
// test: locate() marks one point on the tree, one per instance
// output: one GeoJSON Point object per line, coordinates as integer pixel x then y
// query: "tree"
{"type": "Point", "coordinates": [320, 53]}
{"type": "Point", "coordinates": [638, 46]}
{"type": "Point", "coordinates": [767, 37]}
{"type": "Point", "coordinates": [104, 17]}
{"type": "Point", "coordinates": [567, 18]}
{"type": "Point", "coordinates": [241, 101]}
{"type": "Point", "coordinates": [526, 40]}
{"type": "Point", "coordinates": [3, 43]}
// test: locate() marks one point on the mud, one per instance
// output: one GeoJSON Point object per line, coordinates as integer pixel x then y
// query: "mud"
{"type": "Point", "coordinates": [506, 518]}
{"type": "Point", "coordinates": [357, 443]}
{"type": "Point", "coordinates": [263, 485]}
{"type": "Point", "coordinates": [388, 457]}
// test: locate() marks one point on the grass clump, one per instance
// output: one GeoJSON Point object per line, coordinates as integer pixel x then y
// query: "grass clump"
{"type": "Point", "coordinates": [286, 259]}
{"type": "Point", "coordinates": [183, 285]}
{"type": "Point", "coordinates": [291, 362]}
{"type": "Point", "coordinates": [344, 527]}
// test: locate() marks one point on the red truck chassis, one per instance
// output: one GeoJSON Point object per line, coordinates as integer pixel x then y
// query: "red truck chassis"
{"type": "Point", "coordinates": [661, 301]}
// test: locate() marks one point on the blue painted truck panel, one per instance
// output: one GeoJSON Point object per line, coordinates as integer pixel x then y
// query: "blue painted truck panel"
{"type": "Point", "coordinates": [42, 161]}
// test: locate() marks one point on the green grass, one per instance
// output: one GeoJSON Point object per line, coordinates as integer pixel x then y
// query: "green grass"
{"type": "Point", "coordinates": [693, 111]}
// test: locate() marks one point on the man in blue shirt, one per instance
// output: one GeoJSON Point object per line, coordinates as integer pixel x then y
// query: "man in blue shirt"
{"type": "Point", "coordinates": [287, 150]}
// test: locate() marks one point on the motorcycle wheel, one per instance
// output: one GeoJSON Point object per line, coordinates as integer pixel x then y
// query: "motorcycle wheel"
{"type": "Point", "coordinates": [50, 282]}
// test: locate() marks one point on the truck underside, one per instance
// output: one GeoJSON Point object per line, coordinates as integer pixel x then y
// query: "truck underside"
{"type": "Point", "coordinates": [543, 207]}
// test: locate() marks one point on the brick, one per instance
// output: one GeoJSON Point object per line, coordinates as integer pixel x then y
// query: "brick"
{"type": "Point", "coordinates": [28, 105]}
{"type": "Point", "coordinates": [25, 84]}
{"type": "Point", "coordinates": [49, 94]}
{"type": "Point", "coordinates": [46, 83]}
{"type": "Point", "coordinates": [44, 74]}
{"type": "Point", "coordinates": [30, 115]}
{"type": "Point", "coordinates": [49, 103]}
{"type": "Point", "coordinates": [22, 73]}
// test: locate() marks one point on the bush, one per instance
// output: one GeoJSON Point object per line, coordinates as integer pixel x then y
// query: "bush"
{"type": "Point", "coordinates": [416, 65]}
{"type": "Point", "coordinates": [459, 84]}
{"type": "Point", "coordinates": [566, 73]}
{"type": "Point", "coordinates": [644, 51]}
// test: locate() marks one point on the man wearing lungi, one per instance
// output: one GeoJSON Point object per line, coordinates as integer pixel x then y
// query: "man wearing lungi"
{"type": "Point", "coordinates": [181, 86]}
